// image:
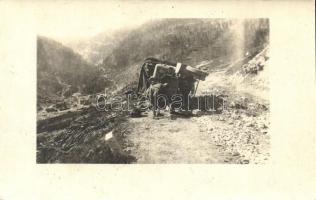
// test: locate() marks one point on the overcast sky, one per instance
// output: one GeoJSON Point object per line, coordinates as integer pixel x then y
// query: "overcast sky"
{"type": "Point", "coordinates": [73, 20]}
{"type": "Point", "coordinates": [83, 20]}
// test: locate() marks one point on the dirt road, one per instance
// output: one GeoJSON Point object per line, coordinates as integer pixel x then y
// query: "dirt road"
{"type": "Point", "coordinates": [171, 141]}
{"type": "Point", "coordinates": [231, 137]}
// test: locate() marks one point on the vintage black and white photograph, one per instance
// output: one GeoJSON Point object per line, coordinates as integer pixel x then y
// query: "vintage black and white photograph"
{"type": "Point", "coordinates": [157, 100]}
{"type": "Point", "coordinates": [160, 91]}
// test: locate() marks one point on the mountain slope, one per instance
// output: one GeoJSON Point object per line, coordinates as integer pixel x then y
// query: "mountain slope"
{"type": "Point", "coordinates": [189, 41]}
{"type": "Point", "coordinates": [95, 49]}
{"type": "Point", "coordinates": [61, 72]}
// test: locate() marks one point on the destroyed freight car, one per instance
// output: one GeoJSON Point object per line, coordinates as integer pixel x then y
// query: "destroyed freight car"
{"type": "Point", "coordinates": [171, 85]}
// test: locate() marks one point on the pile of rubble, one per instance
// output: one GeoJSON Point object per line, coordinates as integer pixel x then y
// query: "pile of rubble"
{"type": "Point", "coordinates": [257, 63]}
{"type": "Point", "coordinates": [241, 133]}
{"type": "Point", "coordinates": [81, 140]}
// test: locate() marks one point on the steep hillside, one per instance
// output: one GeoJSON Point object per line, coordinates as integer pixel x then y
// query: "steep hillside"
{"type": "Point", "coordinates": [61, 72]}
{"type": "Point", "coordinates": [95, 49]}
{"type": "Point", "coordinates": [236, 82]}
{"type": "Point", "coordinates": [190, 41]}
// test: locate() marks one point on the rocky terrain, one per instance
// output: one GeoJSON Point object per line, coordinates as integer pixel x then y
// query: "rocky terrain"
{"type": "Point", "coordinates": [242, 129]}
{"type": "Point", "coordinates": [236, 54]}
{"type": "Point", "coordinates": [79, 137]}
{"type": "Point", "coordinates": [237, 135]}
